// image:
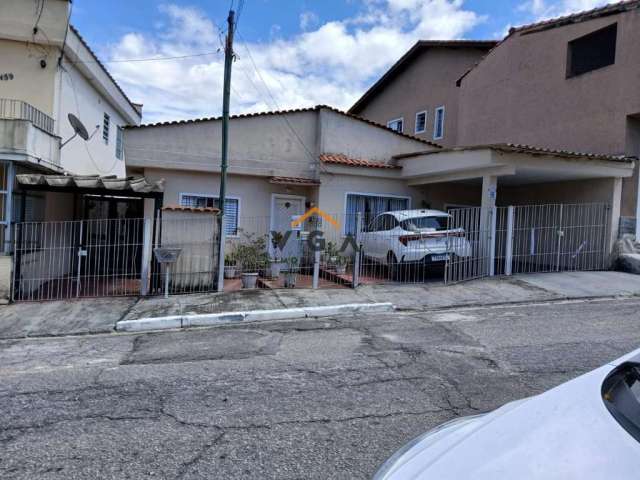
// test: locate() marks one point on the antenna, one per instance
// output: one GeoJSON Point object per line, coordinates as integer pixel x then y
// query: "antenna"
{"type": "Point", "coordinates": [78, 128]}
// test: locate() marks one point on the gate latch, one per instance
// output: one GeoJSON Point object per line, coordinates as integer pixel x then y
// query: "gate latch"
{"type": "Point", "coordinates": [561, 233]}
{"type": "Point", "coordinates": [82, 253]}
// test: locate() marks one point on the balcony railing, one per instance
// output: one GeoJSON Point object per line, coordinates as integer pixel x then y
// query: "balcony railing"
{"type": "Point", "coordinates": [19, 110]}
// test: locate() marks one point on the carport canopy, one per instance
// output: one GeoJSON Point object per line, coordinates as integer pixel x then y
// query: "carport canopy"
{"type": "Point", "coordinates": [510, 165]}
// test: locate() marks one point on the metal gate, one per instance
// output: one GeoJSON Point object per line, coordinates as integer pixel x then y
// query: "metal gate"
{"type": "Point", "coordinates": [107, 258]}
{"type": "Point", "coordinates": [527, 239]}
{"type": "Point", "coordinates": [73, 259]}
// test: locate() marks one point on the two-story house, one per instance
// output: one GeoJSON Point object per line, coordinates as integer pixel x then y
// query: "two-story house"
{"type": "Point", "coordinates": [418, 95]}
{"type": "Point", "coordinates": [568, 83]}
{"type": "Point", "coordinates": [565, 84]}
{"type": "Point", "coordinates": [47, 72]}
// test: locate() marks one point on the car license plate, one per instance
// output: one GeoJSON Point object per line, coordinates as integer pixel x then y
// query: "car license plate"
{"type": "Point", "coordinates": [439, 258]}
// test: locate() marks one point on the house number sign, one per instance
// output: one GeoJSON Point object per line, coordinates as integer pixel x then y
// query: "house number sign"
{"type": "Point", "coordinates": [5, 77]}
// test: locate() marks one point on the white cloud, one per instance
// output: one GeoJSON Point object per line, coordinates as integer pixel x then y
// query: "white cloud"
{"type": "Point", "coordinates": [330, 63]}
{"type": "Point", "coordinates": [545, 9]}
{"type": "Point", "coordinates": [308, 20]}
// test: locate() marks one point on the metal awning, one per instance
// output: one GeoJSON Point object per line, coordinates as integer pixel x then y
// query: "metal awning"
{"type": "Point", "coordinates": [92, 184]}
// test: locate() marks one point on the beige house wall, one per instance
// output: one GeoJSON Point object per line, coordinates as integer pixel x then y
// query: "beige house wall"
{"type": "Point", "coordinates": [254, 193]}
{"type": "Point", "coordinates": [520, 94]}
{"type": "Point", "coordinates": [428, 82]}
{"type": "Point", "coordinates": [31, 83]}
{"type": "Point", "coordinates": [261, 145]}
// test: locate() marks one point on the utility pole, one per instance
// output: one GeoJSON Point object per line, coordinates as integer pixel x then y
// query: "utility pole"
{"type": "Point", "coordinates": [228, 62]}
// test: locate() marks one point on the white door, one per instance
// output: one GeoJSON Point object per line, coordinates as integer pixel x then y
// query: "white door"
{"type": "Point", "coordinates": [284, 210]}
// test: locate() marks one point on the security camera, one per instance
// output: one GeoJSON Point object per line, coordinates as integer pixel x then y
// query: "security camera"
{"type": "Point", "coordinates": [43, 63]}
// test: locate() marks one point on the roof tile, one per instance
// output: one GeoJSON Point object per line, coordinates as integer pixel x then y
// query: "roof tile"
{"type": "Point", "coordinates": [341, 159]}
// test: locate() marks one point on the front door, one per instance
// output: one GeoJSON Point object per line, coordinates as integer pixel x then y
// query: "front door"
{"type": "Point", "coordinates": [285, 209]}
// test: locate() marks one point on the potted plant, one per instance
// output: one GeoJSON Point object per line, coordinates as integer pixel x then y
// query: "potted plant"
{"type": "Point", "coordinates": [230, 266]}
{"type": "Point", "coordinates": [331, 254]}
{"type": "Point", "coordinates": [275, 265]}
{"type": "Point", "coordinates": [340, 264]}
{"type": "Point", "coordinates": [291, 275]}
{"type": "Point", "coordinates": [251, 256]}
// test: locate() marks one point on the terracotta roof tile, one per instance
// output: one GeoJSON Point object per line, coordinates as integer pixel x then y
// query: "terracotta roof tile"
{"type": "Point", "coordinates": [285, 112]}
{"type": "Point", "coordinates": [529, 149]}
{"type": "Point", "coordinates": [340, 159]}
{"type": "Point", "coordinates": [604, 11]}
{"type": "Point", "coordinates": [294, 181]}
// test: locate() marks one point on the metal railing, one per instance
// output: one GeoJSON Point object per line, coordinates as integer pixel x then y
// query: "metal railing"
{"type": "Point", "coordinates": [19, 110]}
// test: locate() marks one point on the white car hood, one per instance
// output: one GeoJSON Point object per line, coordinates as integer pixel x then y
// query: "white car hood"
{"type": "Point", "coordinates": [565, 433]}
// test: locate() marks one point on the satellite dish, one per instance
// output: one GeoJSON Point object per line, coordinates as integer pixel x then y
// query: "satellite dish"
{"type": "Point", "coordinates": [78, 128]}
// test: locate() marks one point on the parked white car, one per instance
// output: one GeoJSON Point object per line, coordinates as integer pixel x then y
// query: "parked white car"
{"type": "Point", "coordinates": [409, 237]}
{"type": "Point", "coordinates": [587, 429]}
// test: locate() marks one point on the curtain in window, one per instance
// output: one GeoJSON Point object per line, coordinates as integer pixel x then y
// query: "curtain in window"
{"type": "Point", "coordinates": [370, 206]}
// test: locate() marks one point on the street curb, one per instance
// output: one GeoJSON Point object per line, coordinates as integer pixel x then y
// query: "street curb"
{"type": "Point", "coordinates": [211, 319]}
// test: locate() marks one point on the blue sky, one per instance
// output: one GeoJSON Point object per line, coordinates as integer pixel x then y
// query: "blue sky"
{"type": "Point", "coordinates": [290, 53]}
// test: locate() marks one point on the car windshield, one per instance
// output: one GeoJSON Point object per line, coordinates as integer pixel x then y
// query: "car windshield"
{"type": "Point", "coordinates": [420, 223]}
{"type": "Point", "coordinates": [621, 394]}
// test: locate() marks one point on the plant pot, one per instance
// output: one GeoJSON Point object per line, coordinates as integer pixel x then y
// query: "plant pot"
{"type": "Point", "coordinates": [290, 280]}
{"type": "Point", "coordinates": [274, 270]}
{"type": "Point", "coordinates": [249, 280]}
{"type": "Point", "coordinates": [341, 269]}
{"type": "Point", "coordinates": [229, 272]}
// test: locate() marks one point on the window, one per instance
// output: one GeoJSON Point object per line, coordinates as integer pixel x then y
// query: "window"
{"type": "Point", "coordinates": [431, 223]}
{"type": "Point", "coordinates": [120, 143]}
{"type": "Point", "coordinates": [421, 122]}
{"type": "Point", "coordinates": [231, 208]}
{"type": "Point", "coordinates": [593, 51]}
{"type": "Point", "coordinates": [396, 124]}
{"type": "Point", "coordinates": [370, 206]}
{"type": "Point", "coordinates": [105, 128]}
{"type": "Point", "coordinates": [383, 223]}
{"type": "Point", "coordinates": [621, 393]}
{"type": "Point", "coordinates": [438, 126]}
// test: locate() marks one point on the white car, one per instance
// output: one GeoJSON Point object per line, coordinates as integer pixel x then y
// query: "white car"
{"type": "Point", "coordinates": [410, 237]}
{"type": "Point", "coordinates": [587, 429]}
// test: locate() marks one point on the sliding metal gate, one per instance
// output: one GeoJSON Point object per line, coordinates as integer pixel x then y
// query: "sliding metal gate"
{"type": "Point", "coordinates": [527, 239]}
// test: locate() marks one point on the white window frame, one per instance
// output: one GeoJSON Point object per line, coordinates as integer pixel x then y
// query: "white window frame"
{"type": "Point", "coordinates": [215, 197]}
{"type": "Point", "coordinates": [120, 143]}
{"type": "Point", "coordinates": [106, 127]}
{"type": "Point", "coordinates": [369, 194]}
{"type": "Point", "coordinates": [435, 123]}
{"type": "Point", "coordinates": [423, 112]}
{"type": "Point", "coordinates": [399, 119]}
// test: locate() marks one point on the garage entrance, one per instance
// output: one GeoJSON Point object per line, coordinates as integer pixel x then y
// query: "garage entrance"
{"type": "Point", "coordinates": [528, 239]}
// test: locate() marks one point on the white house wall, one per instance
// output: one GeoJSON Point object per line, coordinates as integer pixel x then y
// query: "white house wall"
{"type": "Point", "coordinates": [79, 97]}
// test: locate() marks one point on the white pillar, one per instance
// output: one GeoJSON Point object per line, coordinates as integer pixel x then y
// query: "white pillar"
{"type": "Point", "coordinates": [616, 200]}
{"type": "Point", "coordinates": [488, 221]}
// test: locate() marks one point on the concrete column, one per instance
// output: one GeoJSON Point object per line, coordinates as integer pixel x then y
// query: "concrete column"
{"type": "Point", "coordinates": [487, 221]}
{"type": "Point", "coordinates": [615, 201]}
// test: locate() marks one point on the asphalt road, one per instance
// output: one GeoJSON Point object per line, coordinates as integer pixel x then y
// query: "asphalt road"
{"type": "Point", "coordinates": [327, 399]}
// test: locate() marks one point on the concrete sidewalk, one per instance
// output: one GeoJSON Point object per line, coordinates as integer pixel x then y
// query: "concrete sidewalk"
{"type": "Point", "coordinates": [75, 317]}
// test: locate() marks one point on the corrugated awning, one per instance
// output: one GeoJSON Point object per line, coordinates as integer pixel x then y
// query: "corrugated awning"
{"type": "Point", "coordinates": [91, 184]}
{"type": "Point", "coordinates": [179, 208]}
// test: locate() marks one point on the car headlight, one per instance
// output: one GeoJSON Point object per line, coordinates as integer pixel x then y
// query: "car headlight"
{"type": "Point", "coordinates": [388, 466]}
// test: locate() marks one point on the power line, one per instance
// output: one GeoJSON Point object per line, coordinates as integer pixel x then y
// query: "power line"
{"type": "Point", "coordinates": [312, 157]}
{"type": "Point", "coordinates": [150, 59]}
